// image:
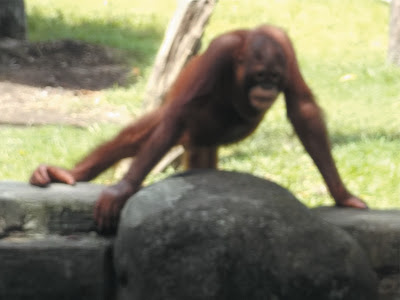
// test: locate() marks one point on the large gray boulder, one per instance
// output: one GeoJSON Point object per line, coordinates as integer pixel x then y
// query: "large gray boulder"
{"type": "Point", "coordinates": [221, 235]}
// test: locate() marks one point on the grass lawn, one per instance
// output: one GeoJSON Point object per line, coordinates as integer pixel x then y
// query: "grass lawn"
{"type": "Point", "coordinates": [341, 46]}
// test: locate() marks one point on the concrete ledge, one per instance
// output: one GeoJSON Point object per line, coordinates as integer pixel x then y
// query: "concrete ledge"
{"type": "Point", "coordinates": [59, 208]}
{"type": "Point", "coordinates": [56, 267]}
{"type": "Point", "coordinates": [48, 247]}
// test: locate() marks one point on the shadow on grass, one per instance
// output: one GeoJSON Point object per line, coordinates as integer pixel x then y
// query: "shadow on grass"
{"type": "Point", "coordinates": [90, 54]}
{"type": "Point", "coordinates": [342, 138]}
{"type": "Point", "coordinates": [139, 38]}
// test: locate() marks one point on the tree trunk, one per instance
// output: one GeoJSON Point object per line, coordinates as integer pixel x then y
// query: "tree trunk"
{"type": "Point", "coordinates": [394, 36]}
{"type": "Point", "coordinates": [12, 19]}
{"type": "Point", "coordinates": [182, 40]}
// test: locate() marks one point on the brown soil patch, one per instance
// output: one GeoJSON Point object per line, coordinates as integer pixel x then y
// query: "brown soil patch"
{"type": "Point", "coordinates": [58, 82]}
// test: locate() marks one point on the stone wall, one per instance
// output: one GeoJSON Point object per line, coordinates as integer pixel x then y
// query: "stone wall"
{"type": "Point", "coordinates": [49, 248]}
{"type": "Point", "coordinates": [48, 245]}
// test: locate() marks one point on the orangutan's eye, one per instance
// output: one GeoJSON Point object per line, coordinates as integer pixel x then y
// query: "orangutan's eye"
{"type": "Point", "coordinates": [260, 76]}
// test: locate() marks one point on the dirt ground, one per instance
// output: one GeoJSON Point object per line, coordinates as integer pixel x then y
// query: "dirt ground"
{"type": "Point", "coordinates": [58, 82]}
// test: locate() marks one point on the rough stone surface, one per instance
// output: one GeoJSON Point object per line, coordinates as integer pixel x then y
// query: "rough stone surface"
{"type": "Point", "coordinates": [59, 208]}
{"type": "Point", "coordinates": [221, 235]}
{"type": "Point", "coordinates": [378, 233]}
{"type": "Point", "coordinates": [29, 257]}
{"type": "Point", "coordinates": [56, 267]}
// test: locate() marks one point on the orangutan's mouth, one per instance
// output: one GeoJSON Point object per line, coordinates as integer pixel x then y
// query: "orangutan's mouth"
{"type": "Point", "coordinates": [261, 98]}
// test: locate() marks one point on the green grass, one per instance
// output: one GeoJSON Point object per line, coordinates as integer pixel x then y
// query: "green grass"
{"type": "Point", "coordinates": [342, 55]}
